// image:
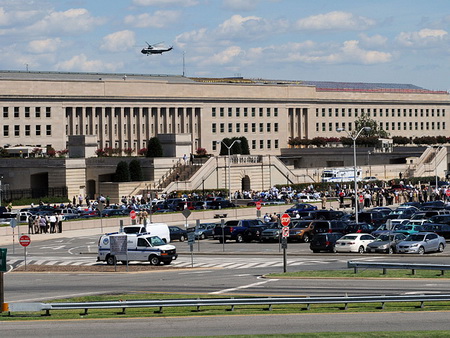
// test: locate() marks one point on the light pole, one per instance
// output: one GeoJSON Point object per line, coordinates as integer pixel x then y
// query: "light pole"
{"type": "Point", "coordinates": [229, 163]}
{"type": "Point", "coordinates": [354, 164]}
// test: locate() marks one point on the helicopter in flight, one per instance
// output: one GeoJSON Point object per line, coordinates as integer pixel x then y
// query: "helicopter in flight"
{"type": "Point", "coordinates": [154, 49]}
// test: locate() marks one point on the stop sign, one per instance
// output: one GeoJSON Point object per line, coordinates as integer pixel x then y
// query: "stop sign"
{"type": "Point", "coordinates": [133, 214]}
{"type": "Point", "coordinates": [258, 205]}
{"type": "Point", "coordinates": [361, 198]}
{"type": "Point", "coordinates": [285, 220]}
{"type": "Point", "coordinates": [24, 240]}
{"type": "Point", "coordinates": [447, 192]}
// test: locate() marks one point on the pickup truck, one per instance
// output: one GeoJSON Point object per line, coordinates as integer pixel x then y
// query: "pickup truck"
{"type": "Point", "coordinates": [234, 229]}
{"type": "Point", "coordinates": [4, 213]}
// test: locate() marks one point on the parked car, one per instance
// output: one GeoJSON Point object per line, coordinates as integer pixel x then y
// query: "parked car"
{"type": "Point", "coordinates": [113, 212]}
{"type": "Point", "coordinates": [441, 229]}
{"type": "Point", "coordinates": [234, 229]}
{"type": "Point", "coordinates": [329, 226]}
{"type": "Point", "coordinates": [386, 243]}
{"type": "Point", "coordinates": [422, 242]}
{"type": "Point", "coordinates": [301, 207]}
{"type": "Point", "coordinates": [384, 229]}
{"type": "Point", "coordinates": [324, 241]}
{"type": "Point", "coordinates": [301, 231]}
{"type": "Point", "coordinates": [376, 218]}
{"type": "Point", "coordinates": [441, 219]}
{"type": "Point", "coordinates": [328, 214]}
{"type": "Point", "coordinates": [253, 232]}
{"type": "Point", "coordinates": [176, 233]}
{"type": "Point", "coordinates": [433, 205]}
{"type": "Point", "coordinates": [204, 230]}
{"type": "Point", "coordinates": [354, 243]}
{"type": "Point", "coordinates": [358, 228]}
{"type": "Point", "coordinates": [271, 234]}
{"type": "Point", "coordinates": [408, 229]}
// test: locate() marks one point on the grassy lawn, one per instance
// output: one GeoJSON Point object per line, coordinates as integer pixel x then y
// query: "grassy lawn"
{"type": "Point", "coordinates": [208, 310]}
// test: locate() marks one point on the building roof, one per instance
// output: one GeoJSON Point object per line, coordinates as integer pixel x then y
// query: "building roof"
{"type": "Point", "coordinates": [319, 85]}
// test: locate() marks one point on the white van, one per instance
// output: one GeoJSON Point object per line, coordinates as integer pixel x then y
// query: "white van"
{"type": "Point", "coordinates": [140, 247]}
{"type": "Point", "coordinates": [154, 229]}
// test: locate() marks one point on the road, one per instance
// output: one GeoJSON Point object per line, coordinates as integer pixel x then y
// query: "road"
{"type": "Point", "coordinates": [228, 270]}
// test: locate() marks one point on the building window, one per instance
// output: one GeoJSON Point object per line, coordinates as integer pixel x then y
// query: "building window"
{"type": "Point", "coordinates": [230, 112]}
{"type": "Point", "coordinates": [336, 112]}
{"type": "Point", "coordinates": [238, 127]}
{"type": "Point", "coordinates": [323, 126]}
{"type": "Point", "coordinates": [48, 112]}
{"type": "Point", "coordinates": [261, 144]}
{"type": "Point", "coordinates": [330, 112]}
{"type": "Point", "coordinates": [16, 130]}
{"type": "Point", "coordinates": [5, 112]}
{"type": "Point", "coordinates": [253, 127]}
{"type": "Point", "coordinates": [245, 112]}
{"type": "Point", "coordinates": [222, 127]}
{"type": "Point", "coordinates": [221, 111]}
{"type": "Point", "coordinates": [268, 112]}
{"type": "Point", "coordinates": [213, 112]}
{"type": "Point", "coordinates": [245, 127]}
{"type": "Point", "coordinates": [5, 130]}
{"type": "Point", "coordinates": [214, 128]}
{"type": "Point", "coordinates": [275, 127]}
{"type": "Point", "coordinates": [16, 111]}
{"type": "Point", "coordinates": [275, 112]}
{"type": "Point", "coordinates": [269, 144]}
{"type": "Point", "coordinates": [323, 112]}
{"type": "Point", "coordinates": [48, 130]}
{"type": "Point", "coordinates": [230, 127]}
{"type": "Point", "coordinates": [253, 112]}
{"type": "Point", "coordinates": [27, 112]}
{"type": "Point", "coordinates": [276, 144]}
{"type": "Point", "coordinates": [27, 130]}
{"type": "Point", "coordinates": [238, 112]}
{"type": "Point", "coordinates": [214, 145]}
{"type": "Point", "coordinates": [253, 144]}
{"type": "Point", "coordinates": [261, 127]}
{"type": "Point", "coordinates": [330, 126]}
{"type": "Point", "coordinates": [268, 127]}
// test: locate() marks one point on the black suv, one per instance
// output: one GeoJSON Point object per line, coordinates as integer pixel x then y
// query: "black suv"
{"type": "Point", "coordinates": [328, 226]}
{"type": "Point", "coordinates": [324, 241]}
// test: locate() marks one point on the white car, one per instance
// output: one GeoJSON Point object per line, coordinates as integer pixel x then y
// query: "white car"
{"type": "Point", "coordinates": [354, 243]}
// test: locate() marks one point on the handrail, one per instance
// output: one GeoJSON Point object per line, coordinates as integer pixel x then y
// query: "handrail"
{"type": "Point", "coordinates": [232, 302]}
{"type": "Point", "coordinates": [405, 266]}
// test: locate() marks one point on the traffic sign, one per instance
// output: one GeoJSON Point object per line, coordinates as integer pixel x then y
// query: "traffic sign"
{"type": "Point", "coordinates": [133, 214]}
{"type": "Point", "coordinates": [361, 198]}
{"type": "Point", "coordinates": [285, 232]}
{"type": "Point", "coordinates": [24, 240]}
{"type": "Point", "coordinates": [285, 220]}
{"type": "Point", "coordinates": [447, 192]}
{"type": "Point", "coordinates": [258, 205]}
{"type": "Point", "coordinates": [186, 213]}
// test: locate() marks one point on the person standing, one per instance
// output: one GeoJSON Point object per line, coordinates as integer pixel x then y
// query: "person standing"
{"type": "Point", "coordinates": [30, 225]}
{"type": "Point", "coordinates": [52, 221]}
{"type": "Point", "coordinates": [42, 225]}
{"type": "Point", "coordinates": [59, 219]}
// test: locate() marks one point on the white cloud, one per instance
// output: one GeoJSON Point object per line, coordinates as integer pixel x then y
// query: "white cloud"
{"type": "Point", "coordinates": [166, 3]}
{"type": "Point", "coordinates": [224, 57]}
{"type": "Point", "coordinates": [72, 21]}
{"type": "Point", "coordinates": [199, 37]}
{"type": "Point", "coordinates": [240, 5]}
{"type": "Point", "coordinates": [336, 20]}
{"type": "Point", "coordinates": [423, 38]}
{"type": "Point", "coordinates": [44, 46]}
{"type": "Point", "coordinates": [81, 63]}
{"type": "Point", "coordinates": [118, 41]}
{"type": "Point", "coordinates": [159, 19]}
{"type": "Point", "coordinates": [374, 40]}
{"type": "Point", "coordinates": [15, 17]}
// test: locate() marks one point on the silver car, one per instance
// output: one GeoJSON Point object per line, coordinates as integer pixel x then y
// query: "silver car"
{"type": "Point", "coordinates": [385, 243]}
{"type": "Point", "coordinates": [422, 242]}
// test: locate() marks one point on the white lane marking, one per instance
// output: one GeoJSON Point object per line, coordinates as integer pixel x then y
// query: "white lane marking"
{"type": "Point", "coordinates": [243, 287]}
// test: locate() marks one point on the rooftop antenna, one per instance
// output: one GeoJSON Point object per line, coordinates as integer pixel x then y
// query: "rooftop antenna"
{"type": "Point", "coordinates": [184, 65]}
{"type": "Point", "coordinates": [26, 66]}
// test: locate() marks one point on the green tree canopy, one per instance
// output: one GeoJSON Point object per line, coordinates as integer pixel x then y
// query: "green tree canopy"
{"type": "Point", "coordinates": [154, 148]}
{"type": "Point", "coordinates": [375, 131]}
{"type": "Point", "coordinates": [122, 172]}
{"type": "Point", "coordinates": [136, 171]}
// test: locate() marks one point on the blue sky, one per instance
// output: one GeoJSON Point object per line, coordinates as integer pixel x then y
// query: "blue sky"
{"type": "Point", "coordinates": [395, 41]}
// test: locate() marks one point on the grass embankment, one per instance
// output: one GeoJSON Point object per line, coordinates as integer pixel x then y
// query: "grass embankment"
{"type": "Point", "coordinates": [209, 310]}
{"type": "Point", "coordinates": [391, 273]}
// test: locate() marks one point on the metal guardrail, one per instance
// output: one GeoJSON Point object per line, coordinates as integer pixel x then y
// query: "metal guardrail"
{"type": "Point", "coordinates": [227, 302]}
{"type": "Point", "coordinates": [405, 266]}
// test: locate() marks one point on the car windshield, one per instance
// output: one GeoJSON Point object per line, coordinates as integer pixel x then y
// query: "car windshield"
{"type": "Point", "coordinates": [348, 237]}
{"type": "Point", "coordinates": [406, 227]}
{"type": "Point", "coordinates": [156, 241]}
{"type": "Point", "coordinates": [382, 238]}
{"type": "Point", "coordinates": [415, 238]}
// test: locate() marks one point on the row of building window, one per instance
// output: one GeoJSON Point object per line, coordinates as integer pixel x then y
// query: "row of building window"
{"type": "Point", "coordinates": [27, 130]}
{"type": "Point", "coordinates": [244, 111]}
{"type": "Point", "coordinates": [380, 112]}
{"type": "Point", "coordinates": [26, 112]}
{"type": "Point", "coordinates": [245, 129]}
{"type": "Point", "coordinates": [255, 144]}
{"type": "Point", "coordinates": [387, 126]}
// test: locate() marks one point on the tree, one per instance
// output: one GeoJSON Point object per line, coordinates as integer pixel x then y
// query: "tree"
{"type": "Point", "coordinates": [122, 172]}
{"type": "Point", "coordinates": [245, 149]}
{"type": "Point", "coordinates": [154, 148]}
{"type": "Point", "coordinates": [238, 148]}
{"type": "Point", "coordinates": [136, 171]}
{"type": "Point", "coordinates": [401, 140]}
{"type": "Point", "coordinates": [375, 130]}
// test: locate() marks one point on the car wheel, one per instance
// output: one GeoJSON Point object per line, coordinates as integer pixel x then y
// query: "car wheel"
{"type": "Point", "coordinates": [182, 239]}
{"type": "Point", "coordinates": [110, 260]}
{"type": "Point", "coordinates": [361, 249]}
{"type": "Point", "coordinates": [202, 236]}
{"type": "Point", "coordinates": [239, 238]}
{"type": "Point", "coordinates": [316, 251]}
{"type": "Point", "coordinates": [333, 249]}
{"type": "Point", "coordinates": [391, 250]}
{"type": "Point", "coordinates": [154, 260]}
{"type": "Point", "coordinates": [421, 250]}
{"type": "Point", "coordinates": [441, 247]}
{"type": "Point", "coordinates": [306, 239]}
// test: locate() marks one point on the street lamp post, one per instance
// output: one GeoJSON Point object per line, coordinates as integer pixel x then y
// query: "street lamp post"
{"type": "Point", "coordinates": [229, 163]}
{"type": "Point", "coordinates": [354, 164]}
